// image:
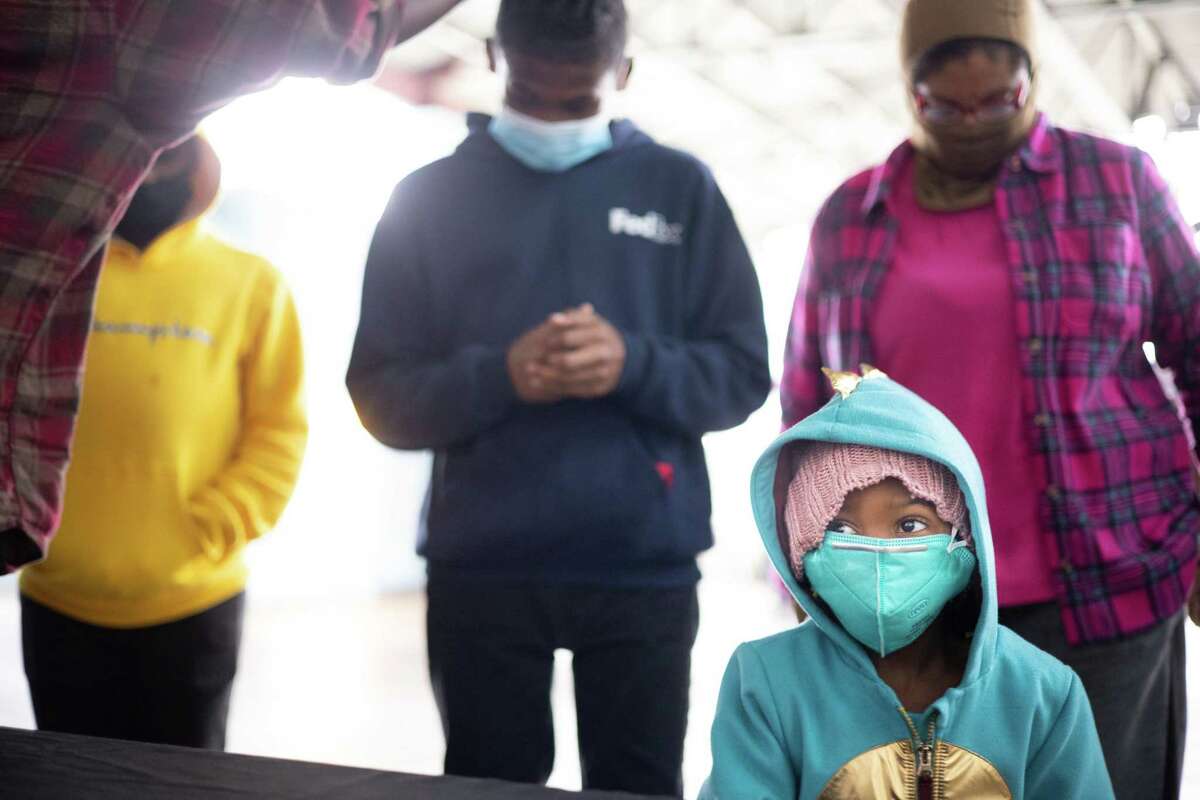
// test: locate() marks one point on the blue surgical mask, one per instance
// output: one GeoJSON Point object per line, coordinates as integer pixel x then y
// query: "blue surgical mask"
{"type": "Point", "coordinates": [551, 146]}
{"type": "Point", "coordinates": [887, 592]}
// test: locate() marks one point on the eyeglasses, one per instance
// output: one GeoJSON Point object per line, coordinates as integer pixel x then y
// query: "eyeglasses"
{"type": "Point", "coordinates": [996, 109]}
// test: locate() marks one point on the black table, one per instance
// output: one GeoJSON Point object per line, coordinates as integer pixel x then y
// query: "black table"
{"type": "Point", "coordinates": [54, 766]}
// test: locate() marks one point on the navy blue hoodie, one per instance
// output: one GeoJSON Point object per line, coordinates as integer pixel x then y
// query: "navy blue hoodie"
{"type": "Point", "coordinates": [475, 250]}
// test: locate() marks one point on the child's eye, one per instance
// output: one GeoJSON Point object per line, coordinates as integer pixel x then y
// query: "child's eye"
{"type": "Point", "coordinates": [911, 526]}
{"type": "Point", "coordinates": [837, 526]}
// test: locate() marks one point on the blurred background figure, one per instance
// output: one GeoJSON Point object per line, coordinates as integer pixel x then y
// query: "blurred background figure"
{"type": "Point", "coordinates": [560, 310]}
{"type": "Point", "coordinates": [188, 447]}
{"type": "Point", "coordinates": [1041, 260]}
{"type": "Point", "coordinates": [74, 145]}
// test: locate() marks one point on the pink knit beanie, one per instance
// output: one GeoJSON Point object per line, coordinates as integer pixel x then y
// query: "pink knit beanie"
{"type": "Point", "coordinates": [826, 472]}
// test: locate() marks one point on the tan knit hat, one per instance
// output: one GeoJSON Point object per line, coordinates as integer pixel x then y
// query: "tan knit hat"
{"type": "Point", "coordinates": [827, 472]}
{"type": "Point", "coordinates": [929, 23]}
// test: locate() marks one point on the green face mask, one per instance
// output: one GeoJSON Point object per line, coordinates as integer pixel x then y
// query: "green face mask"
{"type": "Point", "coordinates": [887, 592]}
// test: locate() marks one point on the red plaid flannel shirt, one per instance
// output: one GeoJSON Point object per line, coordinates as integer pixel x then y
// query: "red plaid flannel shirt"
{"type": "Point", "coordinates": [1102, 261]}
{"type": "Point", "coordinates": [90, 92]}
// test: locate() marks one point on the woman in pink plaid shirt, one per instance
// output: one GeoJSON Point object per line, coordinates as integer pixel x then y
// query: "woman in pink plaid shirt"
{"type": "Point", "coordinates": [1010, 272]}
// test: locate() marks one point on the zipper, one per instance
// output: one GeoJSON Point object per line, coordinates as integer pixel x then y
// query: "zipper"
{"type": "Point", "coordinates": [926, 785]}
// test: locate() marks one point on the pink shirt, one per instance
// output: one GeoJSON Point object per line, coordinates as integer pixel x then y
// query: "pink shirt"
{"type": "Point", "coordinates": [944, 324]}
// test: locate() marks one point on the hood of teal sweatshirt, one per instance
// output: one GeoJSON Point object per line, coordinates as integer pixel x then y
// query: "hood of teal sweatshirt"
{"type": "Point", "coordinates": [881, 413]}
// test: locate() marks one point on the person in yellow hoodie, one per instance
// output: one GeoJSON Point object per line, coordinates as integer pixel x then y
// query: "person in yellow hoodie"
{"type": "Point", "coordinates": [189, 442]}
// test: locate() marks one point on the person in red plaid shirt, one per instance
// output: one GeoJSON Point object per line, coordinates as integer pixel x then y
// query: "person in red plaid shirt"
{"type": "Point", "coordinates": [90, 93]}
{"type": "Point", "coordinates": [1010, 271]}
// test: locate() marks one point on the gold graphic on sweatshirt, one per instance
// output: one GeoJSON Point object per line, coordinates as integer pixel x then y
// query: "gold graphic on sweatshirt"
{"type": "Point", "coordinates": [889, 772]}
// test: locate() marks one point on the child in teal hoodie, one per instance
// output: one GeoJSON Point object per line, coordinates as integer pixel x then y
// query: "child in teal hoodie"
{"type": "Point", "coordinates": [902, 684]}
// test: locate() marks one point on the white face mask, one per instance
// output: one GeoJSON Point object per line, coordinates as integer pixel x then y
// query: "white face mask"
{"type": "Point", "coordinates": [551, 146]}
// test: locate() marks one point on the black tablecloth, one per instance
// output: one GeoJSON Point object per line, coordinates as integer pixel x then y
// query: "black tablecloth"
{"type": "Point", "coordinates": [50, 766]}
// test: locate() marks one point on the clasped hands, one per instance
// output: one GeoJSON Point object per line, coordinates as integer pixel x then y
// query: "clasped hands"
{"type": "Point", "coordinates": [574, 354]}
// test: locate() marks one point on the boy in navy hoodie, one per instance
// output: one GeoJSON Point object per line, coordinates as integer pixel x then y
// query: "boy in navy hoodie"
{"type": "Point", "coordinates": [560, 310]}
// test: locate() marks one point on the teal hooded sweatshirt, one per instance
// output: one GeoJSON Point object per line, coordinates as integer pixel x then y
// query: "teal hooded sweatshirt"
{"type": "Point", "coordinates": [803, 714]}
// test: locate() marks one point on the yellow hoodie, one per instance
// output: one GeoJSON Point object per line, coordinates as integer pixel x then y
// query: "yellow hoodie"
{"type": "Point", "coordinates": [190, 434]}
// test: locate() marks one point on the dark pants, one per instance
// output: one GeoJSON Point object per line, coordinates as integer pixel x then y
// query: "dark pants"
{"type": "Point", "coordinates": [168, 684]}
{"type": "Point", "coordinates": [1138, 691]}
{"type": "Point", "coordinates": [491, 658]}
